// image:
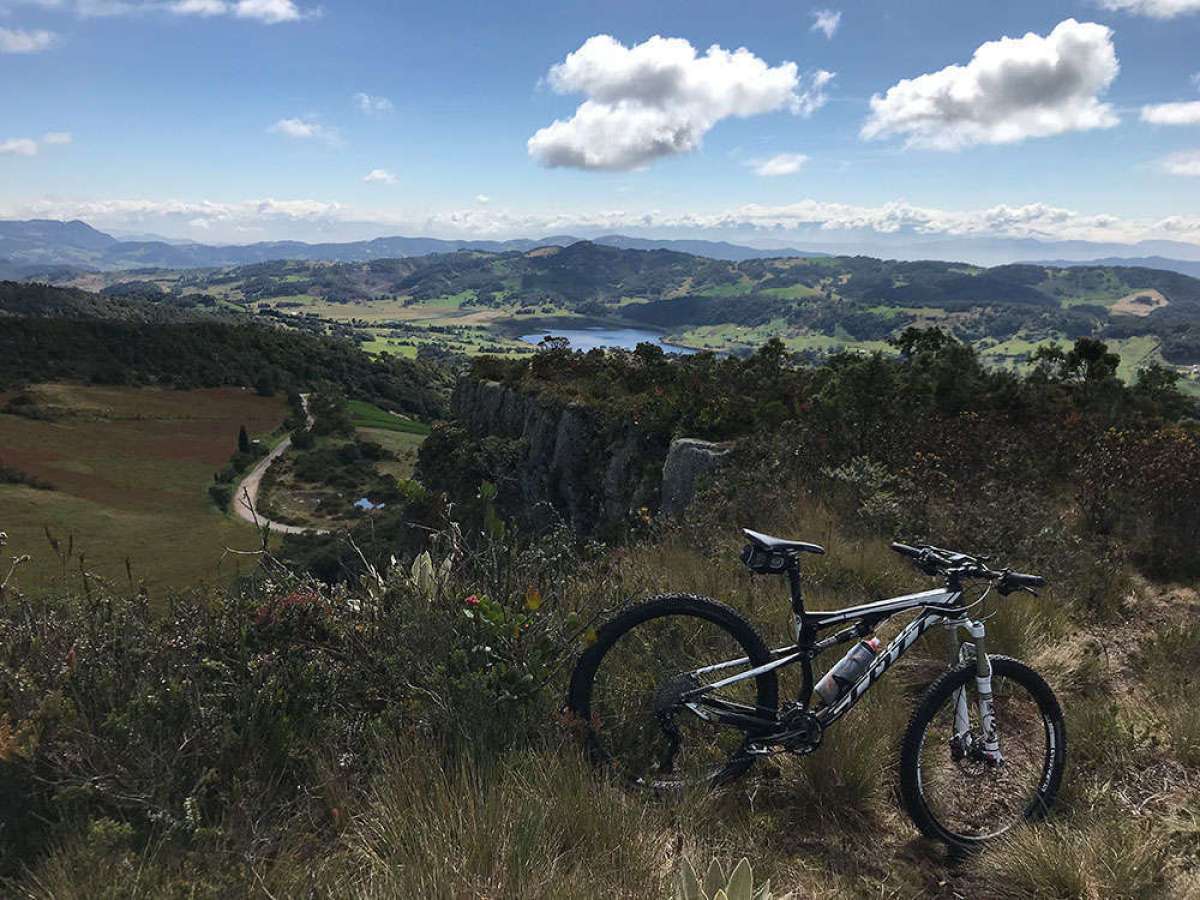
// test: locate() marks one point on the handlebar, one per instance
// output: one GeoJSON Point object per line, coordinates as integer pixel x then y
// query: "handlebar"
{"type": "Point", "coordinates": [950, 563]}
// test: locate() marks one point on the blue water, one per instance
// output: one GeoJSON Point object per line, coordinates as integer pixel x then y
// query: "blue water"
{"type": "Point", "coordinates": [591, 338]}
{"type": "Point", "coordinates": [365, 503]}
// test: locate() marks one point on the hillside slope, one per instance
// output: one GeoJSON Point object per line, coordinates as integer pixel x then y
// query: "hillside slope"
{"type": "Point", "coordinates": [40, 243]}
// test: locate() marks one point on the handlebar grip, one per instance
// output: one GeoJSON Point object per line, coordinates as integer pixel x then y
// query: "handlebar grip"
{"type": "Point", "coordinates": [1014, 581]}
{"type": "Point", "coordinates": [906, 550]}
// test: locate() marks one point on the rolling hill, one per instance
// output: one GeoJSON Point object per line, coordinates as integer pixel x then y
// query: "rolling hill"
{"type": "Point", "coordinates": [28, 247]}
{"type": "Point", "coordinates": [474, 301]}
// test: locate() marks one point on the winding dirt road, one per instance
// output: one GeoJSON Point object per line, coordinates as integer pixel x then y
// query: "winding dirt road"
{"type": "Point", "coordinates": [245, 500]}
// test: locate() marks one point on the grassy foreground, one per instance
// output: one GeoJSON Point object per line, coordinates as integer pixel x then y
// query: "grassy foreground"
{"type": "Point", "coordinates": [293, 740]}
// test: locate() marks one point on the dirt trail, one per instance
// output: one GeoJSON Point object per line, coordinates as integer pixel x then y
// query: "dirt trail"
{"type": "Point", "coordinates": [245, 498]}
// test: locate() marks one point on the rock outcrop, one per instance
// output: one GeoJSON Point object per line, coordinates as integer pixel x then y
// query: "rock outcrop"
{"type": "Point", "coordinates": [688, 460]}
{"type": "Point", "coordinates": [555, 460]}
{"type": "Point", "coordinates": [572, 462]}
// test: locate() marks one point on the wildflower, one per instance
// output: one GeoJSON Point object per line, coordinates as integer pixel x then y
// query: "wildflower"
{"type": "Point", "coordinates": [472, 600]}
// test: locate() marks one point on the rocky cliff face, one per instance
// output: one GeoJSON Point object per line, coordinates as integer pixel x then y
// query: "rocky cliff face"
{"type": "Point", "coordinates": [566, 461]}
{"type": "Point", "coordinates": [571, 462]}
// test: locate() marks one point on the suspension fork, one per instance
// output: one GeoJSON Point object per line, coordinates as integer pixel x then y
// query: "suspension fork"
{"type": "Point", "coordinates": [988, 742]}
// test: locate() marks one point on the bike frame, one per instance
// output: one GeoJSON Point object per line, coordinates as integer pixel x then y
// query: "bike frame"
{"type": "Point", "coordinates": [937, 607]}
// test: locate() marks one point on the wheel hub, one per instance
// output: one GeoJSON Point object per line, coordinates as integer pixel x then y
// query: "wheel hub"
{"type": "Point", "coordinates": [668, 696]}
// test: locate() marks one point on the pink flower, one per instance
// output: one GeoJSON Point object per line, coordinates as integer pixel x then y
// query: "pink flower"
{"type": "Point", "coordinates": [472, 600]}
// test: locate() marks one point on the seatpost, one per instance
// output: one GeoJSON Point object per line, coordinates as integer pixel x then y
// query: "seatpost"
{"type": "Point", "coordinates": [793, 574]}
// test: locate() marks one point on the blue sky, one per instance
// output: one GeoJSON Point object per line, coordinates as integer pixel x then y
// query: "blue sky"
{"type": "Point", "coordinates": [239, 120]}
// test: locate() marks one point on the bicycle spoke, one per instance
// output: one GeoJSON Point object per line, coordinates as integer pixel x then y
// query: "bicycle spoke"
{"type": "Point", "coordinates": [637, 714]}
{"type": "Point", "coordinates": [967, 793]}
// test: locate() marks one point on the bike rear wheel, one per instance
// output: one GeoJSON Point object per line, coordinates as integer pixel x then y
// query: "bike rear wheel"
{"type": "Point", "coordinates": [626, 687]}
{"type": "Point", "coordinates": [951, 791]}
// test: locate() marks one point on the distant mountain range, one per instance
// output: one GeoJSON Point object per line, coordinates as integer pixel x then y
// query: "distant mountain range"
{"type": "Point", "coordinates": [1182, 266]}
{"type": "Point", "coordinates": [999, 251]}
{"type": "Point", "coordinates": [30, 248]}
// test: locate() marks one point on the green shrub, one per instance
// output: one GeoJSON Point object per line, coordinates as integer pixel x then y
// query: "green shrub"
{"type": "Point", "coordinates": [221, 494]}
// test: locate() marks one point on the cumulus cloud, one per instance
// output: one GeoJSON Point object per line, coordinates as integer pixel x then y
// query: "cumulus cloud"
{"type": "Point", "coordinates": [307, 130]}
{"type": "Point", "coordinates": [380, 176]}
{"type": "Point", "coordinates": [1184, 163]}
{"type": "Point", "coordinates": [333, 220]}
{"type": "Point", "coordinates": [1011, 90]}
{"type": "Point", "coordinates": [826, 21]}
{"type": "Point", "coordinates": [1172, 113]}
{"type": "Point", "coordinates": [1156, 9]}
{"type": "Point", "coordinates": [779, 164]}
{"type": "Point", "coordinates": [371, 105]}
{"type": "Point", "coordinates": [200, 8]}
{"type": "Point", "coordinates": [659, 98]}
{"type": "Point", "coordinates": [18, 40]}
{"type": "Point", "coordinates": [18, 147]}
{"type": "Point", "coordinates": [57, 137]}
{"type": "Point", "coordinates": [482, 198]}
{"type": "Point", "coordinates": [270, 12]}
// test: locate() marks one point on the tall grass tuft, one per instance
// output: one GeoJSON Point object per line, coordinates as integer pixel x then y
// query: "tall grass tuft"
{"type": "Point", "coordinates": [534, 825]}
{"type": "Point", "coordinates": [1108, 857]}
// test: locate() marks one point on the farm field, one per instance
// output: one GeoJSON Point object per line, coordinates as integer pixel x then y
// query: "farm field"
{"type": "Point", "coordinates": [368, 415]}
{"type": "Point", "coordinates": [403, 444]}
{"type": "Point", "coordinates": [129, 468]}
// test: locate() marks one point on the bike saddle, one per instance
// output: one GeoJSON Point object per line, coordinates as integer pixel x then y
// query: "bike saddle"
{"type": "Point", "coordinates": [780, 545]}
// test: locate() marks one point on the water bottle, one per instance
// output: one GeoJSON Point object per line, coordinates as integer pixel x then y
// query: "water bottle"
{"type": "Point", "coordinates": [833, 686]}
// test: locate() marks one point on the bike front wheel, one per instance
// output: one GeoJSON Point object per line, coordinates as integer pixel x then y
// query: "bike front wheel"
{"type": "Point", "coordinates": [951, 789]}
{"type": "Point", "coordinates": [627, 687]}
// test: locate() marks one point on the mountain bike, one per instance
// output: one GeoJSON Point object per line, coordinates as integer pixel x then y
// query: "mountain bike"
{"type": "Point", "coordinates": [681, 690]}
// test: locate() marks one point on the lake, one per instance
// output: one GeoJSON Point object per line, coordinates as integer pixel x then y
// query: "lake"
{"type": "Point", "coordinates": [591, 338]}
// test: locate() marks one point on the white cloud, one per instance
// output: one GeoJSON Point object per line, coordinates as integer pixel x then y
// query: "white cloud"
{"type": "Point", "coordinates": [17, 40]}
{"type": "Point", "coordinates": [826, 21]}
{"type": "Point", "coordinates": [57, 137]}
{"type": "Point", "coordinates": [1186, 162]}
{"type": "Point", "coordinates": [381, 176]}
{"type": "Point", "coordinates": [270, 12]}
{"type": "Point", "coordinates": [779, 164]}
{"type": "Point", "coordinates": [482, 198]}
{"type": "Point", "coordinates": [1012, 89]}
{"type": "Point", "coordinates": [314, 218]}
{"type": "Point", "coordinates": [1172, 113]}
{"type": "Point", "coordinates": [659, 98]}
{"type": "Point", "coordinates": [94, 8]}
{"type": "Point", "coordinates": [200, 8]}
{"type": "Point", "coordinates": [307, 130]}
{"type": "Point", "coordinates": [18, 147]}
{"type": "Point", "coordinates": [372, 105]}
{"type": "Point", "coordinates": [1156, 9]}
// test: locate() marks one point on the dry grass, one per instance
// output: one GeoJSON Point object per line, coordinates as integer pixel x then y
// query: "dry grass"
{"type": "Point", "coordinates": [130, 468]}
{"type": "Point", "coordinates": [537, 823]}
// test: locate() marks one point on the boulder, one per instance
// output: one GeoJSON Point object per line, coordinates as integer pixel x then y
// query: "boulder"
{"type": "Point", "coordinates": [688, 460]}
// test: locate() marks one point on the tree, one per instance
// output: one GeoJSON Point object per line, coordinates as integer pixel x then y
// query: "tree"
{"type": "Point", "coordinates": [243, 440]}
{"type": "Point", "coordinates": [913, 341]}
{"type": "Point", "coordinates": [1158, 386]}
{"type": "Point", "coordinates": [264, 385]}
